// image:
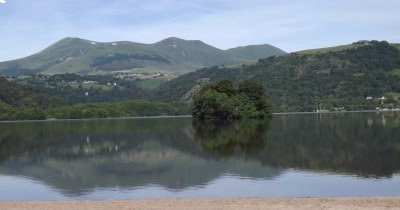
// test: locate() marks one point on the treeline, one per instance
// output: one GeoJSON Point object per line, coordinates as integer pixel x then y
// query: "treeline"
{"type": "Point", "coordinates": [138, 108]}
{"type": "Point", "coordinates": [18, 102]}
{"type": "Point", "coordinates": [95, 110]}
{"type": "Point", "coordinates": [8, 112]}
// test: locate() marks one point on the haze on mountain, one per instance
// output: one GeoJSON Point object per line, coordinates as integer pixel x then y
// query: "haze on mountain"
{"type": "Point", "coordinates": [75, 55]}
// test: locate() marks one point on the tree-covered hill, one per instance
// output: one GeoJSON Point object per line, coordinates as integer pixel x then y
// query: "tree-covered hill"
{"type": "Point", "coordinates": [253, 51]}
{"type": "Point", "coordinates": [306, 81]}
{"type": "Point", "coordinates": [56, 97]}
{"type": "Point", "coordinates": [74, 55]}
{"type": "Point", "coordinates": [18, 102]}
{"type": "Point", "coordinates": [14, 95]}
{"type": "Point", "coordinates": [74, 88]}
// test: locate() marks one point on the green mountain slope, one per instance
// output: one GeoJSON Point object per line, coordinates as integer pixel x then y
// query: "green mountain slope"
{"type": "Point", "coordinates": [302, 81]}
{"type": "Point", "coordinates": [74, 55]}
{"type": "Point", "coordinates": [253, 51]}
{"type": "Point", "coordinates": [193, 54]}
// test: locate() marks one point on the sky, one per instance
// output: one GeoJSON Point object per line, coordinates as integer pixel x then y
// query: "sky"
{"type": "Point", "coordinates": [28, 26]}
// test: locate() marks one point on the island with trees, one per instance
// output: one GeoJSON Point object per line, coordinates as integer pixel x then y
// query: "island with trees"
{"type": "Point", "coordinates": [224, 101]}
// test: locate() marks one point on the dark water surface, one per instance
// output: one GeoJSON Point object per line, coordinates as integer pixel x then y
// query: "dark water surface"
{"type": "Point", "coordinates": [352, 154]}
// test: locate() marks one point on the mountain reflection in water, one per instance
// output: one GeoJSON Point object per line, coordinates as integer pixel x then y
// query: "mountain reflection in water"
{"type": "Point", "coordinates": [75, 157]}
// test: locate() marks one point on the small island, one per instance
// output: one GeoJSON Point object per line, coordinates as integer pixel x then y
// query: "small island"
{"type": "Point", "coordinates": [224, 101]}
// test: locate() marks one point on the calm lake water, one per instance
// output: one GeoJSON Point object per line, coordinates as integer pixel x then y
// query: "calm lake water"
{"type": "Point", "coordinates": [352, 154]}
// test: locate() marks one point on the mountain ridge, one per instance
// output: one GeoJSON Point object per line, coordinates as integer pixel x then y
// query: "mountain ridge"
{"type": "Point", "coordinates": [76, 55]}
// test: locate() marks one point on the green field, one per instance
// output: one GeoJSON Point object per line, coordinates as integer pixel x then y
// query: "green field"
{"type": "Point", "coordinates": [395, 72]}
{"type": "Point", "coordinates": [150, 84]}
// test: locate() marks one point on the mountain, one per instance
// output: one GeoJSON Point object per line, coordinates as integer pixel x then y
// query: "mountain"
{"type": "Point", "coordinates": [254, 51]}
{"type": "Point", "coordinates": [342, 76]}
{"type": "Point", "coordinates": [74, 55]}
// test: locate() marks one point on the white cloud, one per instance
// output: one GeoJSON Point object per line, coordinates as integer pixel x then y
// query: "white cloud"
{"type": "Point", "coordinates": [29, 26]}
{"type": "Point", "coordinates": [3, 1]}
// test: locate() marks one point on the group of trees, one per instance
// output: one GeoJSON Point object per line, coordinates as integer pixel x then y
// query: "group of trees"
{"type": "Point", "coordinates": [224, 101]}
{"type": "Point", "coordinates": [72, 88]}
{"type": "Point", "coordinates": [20, 96]}
{"type": "Point", "coordinates": [35, 102]}
{"type": "Point", "coordinates": [21, 103]}
{"type": "Point", "coordinates": [95, 110]}
{"type": "Point", "coordinates": [134, 108]}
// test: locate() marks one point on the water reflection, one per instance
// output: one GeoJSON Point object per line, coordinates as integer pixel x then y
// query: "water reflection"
{"type": "Point", "coordinates": [246, 137]}
{"type": "Point", "coordinates": [360, 143]}
{"type": "Point", "coordinates": [76, 157]}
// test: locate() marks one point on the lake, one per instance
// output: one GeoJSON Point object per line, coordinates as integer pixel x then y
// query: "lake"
{"type": "Point", "coordinates": [302, 155]}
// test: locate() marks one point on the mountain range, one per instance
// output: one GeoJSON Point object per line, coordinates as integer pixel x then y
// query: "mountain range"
{"type": "Point", "coordinates": [363, 75]}
{"type": "Point", "coordinates": [75, 55]}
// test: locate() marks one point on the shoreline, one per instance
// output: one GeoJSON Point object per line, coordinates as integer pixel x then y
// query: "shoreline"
{"type": "Point", "coordinates": [189, 116]}
{"type": "Point", "coordinates": [365, 203]}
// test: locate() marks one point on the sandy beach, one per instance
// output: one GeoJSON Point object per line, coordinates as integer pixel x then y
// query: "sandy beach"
{"type": "Point", "coordinates": [380, 203]}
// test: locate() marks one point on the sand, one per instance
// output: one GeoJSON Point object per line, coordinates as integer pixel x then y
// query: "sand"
{"type": "Point", "coordinates": [386, 203]}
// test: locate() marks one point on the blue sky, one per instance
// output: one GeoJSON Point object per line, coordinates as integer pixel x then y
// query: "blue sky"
{"type": "Point", "coordinates": [28, 26]}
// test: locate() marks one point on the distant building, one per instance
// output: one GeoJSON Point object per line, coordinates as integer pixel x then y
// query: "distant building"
{"type": "Point", "coordinates": [369, 98]}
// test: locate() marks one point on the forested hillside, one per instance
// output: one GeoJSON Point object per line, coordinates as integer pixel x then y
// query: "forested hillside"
{"type": "Point", "coordinates": [18, 102]}
{"type": "Point", "coordinates": [19, 96]}
{"type": "Point", "coordinates": [309, 80]}
{"type": "Point", "coordinates": [74, 88]}
{"type": "Point", "coordinates": [71, 96]}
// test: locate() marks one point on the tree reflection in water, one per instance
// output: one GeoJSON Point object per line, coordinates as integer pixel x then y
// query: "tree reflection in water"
{"type": "Point", "coordinates": [228, 138]}
{"type": "Point", "coordinates": [78, 156]}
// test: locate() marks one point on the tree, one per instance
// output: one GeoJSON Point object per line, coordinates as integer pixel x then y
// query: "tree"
{"type": "Point", "coordinates": [255, 92]}
{"type": "Point", "coordinates": [212, 103]}
{"type": "Point", "coordinates": [224, 86]}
